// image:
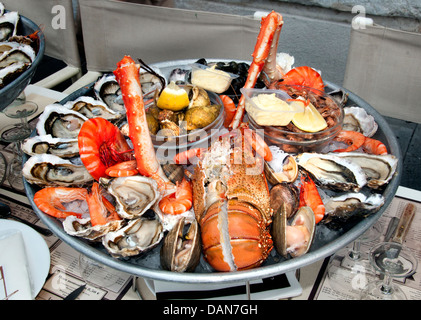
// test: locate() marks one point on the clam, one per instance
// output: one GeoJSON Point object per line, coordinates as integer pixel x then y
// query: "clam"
{"type": "Point", "coordinates": [138, 236]}
{"type": "Point", "coordinates": [294, 238]}
{"type": "Point", "coordinates": [181, 249]}
{"type": "Point", "coordinates": [133, 195]}
{"type": "Point", "coordinates": [283, 167]}
{"type": "Point", "coordinates": [285, 194]}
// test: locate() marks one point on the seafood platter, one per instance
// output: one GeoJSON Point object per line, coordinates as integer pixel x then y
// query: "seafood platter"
{"type": "Point", "coordinates": [234, 204]}
{"type": "Point", "coordinates": [22, 46]}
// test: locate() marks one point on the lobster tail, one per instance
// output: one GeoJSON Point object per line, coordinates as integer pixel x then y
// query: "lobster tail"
{"type": "Point", "coordinates": [234, 236]}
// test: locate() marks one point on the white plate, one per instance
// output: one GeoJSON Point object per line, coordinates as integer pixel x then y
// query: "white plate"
{"type": "Point", "coordinates": [37, 251]}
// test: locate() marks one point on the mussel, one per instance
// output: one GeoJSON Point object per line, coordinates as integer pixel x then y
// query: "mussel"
{"type": "Point", "coordinates": [181, 249]}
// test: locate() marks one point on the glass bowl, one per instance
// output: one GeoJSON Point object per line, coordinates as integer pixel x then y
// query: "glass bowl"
{"type": "Point", "coordinates": [167, 147]}
{"type": "Point", "coordinates": [292, 140]}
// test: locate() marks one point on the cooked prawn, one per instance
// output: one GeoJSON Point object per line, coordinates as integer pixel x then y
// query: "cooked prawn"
{"type": "Point", "coordinates": [101, 210]}
{"type": "Point", "coordinates": [374, 146]}
{"type": "Point", "coordinates": [353, 138]}
{"type": "Point", "coordinates": [304, 76]}
{"type": "Point", "coordinates": [309, 196]}
{"type": "Point", "coordinates": [180, 201]}
{"type": "Point", "coordinates": [51, 200]}
{"type": "Point", "coordinates": [189, 156]}
{"type": "Point", "coordinates": [122, 169]}
{"type": "Point", "coordinates": [101, 145]}
{"type": "Point", "coordinates": [229, 108]}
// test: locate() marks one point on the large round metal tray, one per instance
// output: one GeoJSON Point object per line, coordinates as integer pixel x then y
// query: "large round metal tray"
{"type": "Point", "coordinates": [325, 244]}
{"type": "Point", "coordinates": [11, 91]}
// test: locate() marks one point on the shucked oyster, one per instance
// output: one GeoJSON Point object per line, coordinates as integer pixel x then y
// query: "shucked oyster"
{"type": "Point", "coordinates": [108, 90]}
{"type": "Point", "coordinates": [351, 205]}
{"type": "Point", "coordinates": [379, 169]}
{"type": "Point", "coordinates": [50, 170]}
{"type": "Point", "coordinates": [83, 228]}
{"type": "Point", "coordinates": [357, 119]}
{"type": "Point", "coordinates": [60, 122]}
{"type": "Point", "coordinates": [8, 25]}
{"type": "Point", "coordinates": [92, 108]}
{"type": "Point", "coordinates": [64, 148]}
{"type": "Point", "coordinates": [138, 236]}
{"type": "Point", "coordinates": [134, 195]}
{"type": "Point", "coordinates": [333, 172]}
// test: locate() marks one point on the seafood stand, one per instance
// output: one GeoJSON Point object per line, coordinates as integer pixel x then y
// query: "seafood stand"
{"type": "Point", "coordinates": [271, 254]}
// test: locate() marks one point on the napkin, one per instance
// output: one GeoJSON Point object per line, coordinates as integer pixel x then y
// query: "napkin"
{"type": "Point", "coordinates": [15, 266]}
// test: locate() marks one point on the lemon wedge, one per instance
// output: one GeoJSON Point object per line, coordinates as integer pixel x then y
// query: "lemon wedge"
{"type": "Point", "coordinates": [173, 98]}
{"type": "Point", "coordinates": [310, 120]}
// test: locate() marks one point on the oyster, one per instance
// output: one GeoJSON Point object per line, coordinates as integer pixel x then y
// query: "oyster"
{"type": "Point", "coordinates": [11, 72]}
{"type": "Point", "coordinates": [357, 119]}
{"type": "Point", "coordinates": [108, 90]}
{"type": "Point", "coordinates": [282, 168]}
{"type": "Point", "coordinates": [179, 76]}
{"type": "Point", "coordinates": [81, 227]}
{"type": "Point", "coordinates": [50, 170]}
{"type": "Point", "coordinates": [60, 122]}
{"type": "Point", "coordinates": [333, 172]}
{"type": "Point", "coordinates": [293, 238]}
{"type": "Point", "coordinates": [64, 148]}
{"type": "Point", "coordinates": [133, 195]}
{"type": "Point", "coordinates": [8, 25]}
{"type": "Point", "coordinates": [151, 81]}
{"type": "Point", "coordinates": [139, 235]}
{"type": "Point", "coordinates": [181, 250]}
{"type": "Point", "coordinates": [92, 108]}
{"type": "Point", "coordinates": [379, 169]}
{"type": "Point", "coordinates": [13, 52]}
{"type": "Point", "coordinates": [344, 207]}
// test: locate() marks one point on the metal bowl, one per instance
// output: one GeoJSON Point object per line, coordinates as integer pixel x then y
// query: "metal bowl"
{"type": "Point", "coordinates": [11, 91]}
{"type": "Point", "coordinates": [326, 241]}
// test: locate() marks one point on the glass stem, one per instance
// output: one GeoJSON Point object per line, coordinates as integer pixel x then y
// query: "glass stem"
{"type": "Point", "coordinates": [386, 285]}
{"type": "Point", "coordinates": [355, 254]}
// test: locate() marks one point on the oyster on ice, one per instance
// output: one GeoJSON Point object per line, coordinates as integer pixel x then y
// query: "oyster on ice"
{"type": "Point", "coordinates": [8, 25]}
{"type": "Point", "coordinates": [133, 195]}
{"type": "Point", "coordinates": [341, 208]}
{"type": "Point", "coordinates": [333, 172]}
{"type": "Point", "coordinates": [92, 108]}
{"type": "Point", "coordinates": [379, 169]}
{"type": "Point", "coordinates": [139, 235]}
{"type": "Point", "coordinates": [108, 90]}
{"type": "Point", "coordinates": [82, 227]}
{"type": "Point", "coordinates": [357, 119]}
{"type": "Point", "coordinates": [50, 170]}
{"type": "Point", "coordinates": [61, 147]}
{"type": "Point", "coordinates": [60, 122]}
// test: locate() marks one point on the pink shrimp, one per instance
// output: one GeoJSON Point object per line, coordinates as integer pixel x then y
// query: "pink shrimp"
{"type": "Point", "coordinates": [180, 201]}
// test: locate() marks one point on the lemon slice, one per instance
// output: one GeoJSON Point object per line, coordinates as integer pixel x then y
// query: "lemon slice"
{"type": "Point", "coordinates": [310, 120]}
{"type": "Point", "coordinates": [173, 98]}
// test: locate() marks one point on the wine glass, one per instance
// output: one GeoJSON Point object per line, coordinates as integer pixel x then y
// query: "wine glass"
{"type": "Point", "coordinates": [349, 269]}
{"type": "Point", "coordinates": [15, 134]}
{"type": "Point", "coordinates": [391, 260]}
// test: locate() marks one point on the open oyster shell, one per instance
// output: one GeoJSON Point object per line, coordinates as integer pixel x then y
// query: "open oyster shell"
{"type": "Point", "coordinates": [333, 172]}
{"type": "Point", "coordinates": [63, 148]}
{"type": "Point", "coordinates": [50, 170]}
{"type": "Point", "coordinates": [357, 119]}
{"type": "Point", "coordinates": [60, 122]}
{"type": "Point", "coordinates": [108, 91]}
{"type": "Point", "coordinates": [133, 195]}
{"type": "Point", "coordinates": [82, 228]}
{"type": "Point", "coordinates": [138, 236]}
